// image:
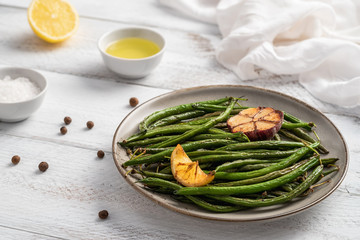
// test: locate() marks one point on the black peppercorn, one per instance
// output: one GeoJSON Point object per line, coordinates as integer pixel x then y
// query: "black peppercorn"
{"type": "Point", "coordinates": [43, 166]}
{"type": "Point", "coordinates": [67, 120]}
{"type": "Point", "coordinates": [15, 159]}
{"type": "Point", "coordinates": [63, 130]}
{"type": "Point", "coordinates": [103, 214]}
{"type": "Point", "coordinates": [133, 101]}
{"type": "Point", "coordinates": [90, 124]}
{"type": "Point", "coordinates": [100, 154]}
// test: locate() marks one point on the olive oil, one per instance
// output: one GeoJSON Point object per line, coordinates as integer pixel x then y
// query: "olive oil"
{"type": "Point", "coordinates": [133, 48]}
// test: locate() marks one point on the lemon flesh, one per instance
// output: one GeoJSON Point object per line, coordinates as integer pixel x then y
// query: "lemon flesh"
{"type": "Point", "coordinates": [53, 20]}
{"type": "Point", "coordinates": [187, 172]}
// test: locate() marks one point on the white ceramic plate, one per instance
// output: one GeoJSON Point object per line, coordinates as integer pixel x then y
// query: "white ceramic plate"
{"type": "Point", "coordinates": [329, 134]}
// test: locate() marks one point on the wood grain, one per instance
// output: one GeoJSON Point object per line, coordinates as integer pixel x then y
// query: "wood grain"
{"type": "Point", "coordinates": [191, 64]}
{"type": "Point", "coordinates": [105, 103]}
{"type": "Point", "coordinates": [10, 233]}
{"type": "Point", "coordinates": [81, 185]}
{"type": "Point", "coordinates": [63, 202]}
{"type": "Point", "coordinates": [140, 12]}
{"type": "Point", "coordinates": [80, 56]}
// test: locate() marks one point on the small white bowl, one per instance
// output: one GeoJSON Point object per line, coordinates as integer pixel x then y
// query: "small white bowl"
{"type": "Point", "coordinates": [18, 111]}
{"type": "Point", "coordinates": [131, 68]}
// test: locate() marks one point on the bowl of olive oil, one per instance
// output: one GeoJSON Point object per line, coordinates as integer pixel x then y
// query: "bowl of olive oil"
{"type": "Point", "coordinates": [132, 52]}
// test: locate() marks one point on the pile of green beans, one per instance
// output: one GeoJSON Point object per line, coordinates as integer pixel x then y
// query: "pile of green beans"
{"type": "Point", "coordinates": [248, 174]}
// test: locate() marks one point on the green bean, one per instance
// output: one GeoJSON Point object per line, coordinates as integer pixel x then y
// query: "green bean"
{"type": "Point", "coordinates": [289, 186]}
{"type": "Point", "coordinates": [205, 120]}
{"type": "Point", "coordinates": [158, 175]}
{"type": "Point", "coordinates": [168, 191]}
{"type": "Point", "coordinates": [214, 114]}
{"type": "Point", "coordinates": [171, 129]}
{"type": "Point", "coordinates": [201, 152]}
{"type": "Point", "coordinates": [158, 157]}
{"type": "Point", "coordinates": [252, 167]}
{"type": "Point", "coordinates": [239, 163]}
{"type": "Point", "coordinates": [214, 143]}
{"type": "Point", "coordinates": [300, 133]}
{"type": "Point", "coordinates": [325, 173]}
{"type": "Point", "coordinates": [212, 207]}
{"type": "Point", "coordinates": [296, 156]}
{"type": "Point", "coordinates": [176, 118]}
{"type": "Point", "coordinates": [143, 126]}
{"type": "Point", "coordinates": [277, 200]}
{"type": "Point", "coordinates": [208, 115]}
{"type": "Point", "coordinates": [277, 137]}
{"type": "Point", "coordinates": [166, 169]}
{"type": "Point", "coordinates": [288, 125]}
{"type": "Point", "coordinates": [253, 188]}
{"type": "Point", "coordinates": [291, 136]}
{"type": "Point", "coordinates": [265, 177]}
{"type": "Point", "coordinates": [199, 129]}
{"type": "Point", "coordinates": [156, 182]}
{"type": "Point", "coordinates": [206, 152]}
{"type": "Point", "coordinates": [239, 136]}
{"type": "Point", "coordinates": [145, 142]}
{"type": "Point", "coordinates": [244, 155]}
{"type": "Point", "coordinates": [327, 161]}
{"type": "Point", "coordinates": [262, 144]}
{"type": "Point", "coordinates": [213, 108]}
{"type": "Point", "coordinates": [198, 121]}
{"type": "Point", "coordinates": [152, 150]}
{"type": "Point", "coordinates": [293, 119]}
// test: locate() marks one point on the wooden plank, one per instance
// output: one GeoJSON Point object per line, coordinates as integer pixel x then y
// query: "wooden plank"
{"type": "Point", "coordinates": [105, 103]}
{"type": "Point", "coordinates": [188, 62]}
{"type": "Point", "coordinates": [64, 202]}
{"type": "Point", "coordinates": [12, 233]}
{"type": "Point", "coordinates": [189, 57]}
{"type": "Point", "coordinates": [140, 12]}
{"type": "Point", "coordinates": [80, 185]}
{"type": "Point", "coordinates": [83, 99]}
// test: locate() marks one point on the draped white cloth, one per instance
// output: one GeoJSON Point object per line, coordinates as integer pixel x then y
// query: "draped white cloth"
{"type": "Point", "coordinates": [316, 39]}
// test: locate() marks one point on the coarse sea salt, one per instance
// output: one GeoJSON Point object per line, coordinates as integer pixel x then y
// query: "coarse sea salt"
{"type": "Point", "coordinates": [17, 90]}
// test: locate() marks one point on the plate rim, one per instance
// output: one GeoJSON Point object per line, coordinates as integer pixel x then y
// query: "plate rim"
{"type": "Point", "coordinates": [184, 211]}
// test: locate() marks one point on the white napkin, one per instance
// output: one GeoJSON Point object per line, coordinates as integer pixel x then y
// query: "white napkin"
{"type": "Point", "coordinates": [313, 38]}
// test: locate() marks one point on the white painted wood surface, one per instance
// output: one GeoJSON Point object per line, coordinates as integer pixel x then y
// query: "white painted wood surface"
{"type": "Point", "coordinates": [64, 201]}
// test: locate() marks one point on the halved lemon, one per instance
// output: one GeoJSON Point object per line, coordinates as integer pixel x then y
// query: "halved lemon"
{"type": "Point", "coordinates": [187, 172]}
{"type": "Point", "coordinates": [53, 20]}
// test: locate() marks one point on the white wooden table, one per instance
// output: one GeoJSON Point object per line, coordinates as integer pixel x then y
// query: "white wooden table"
{"type": "Point", "coordinates": [64, 201]}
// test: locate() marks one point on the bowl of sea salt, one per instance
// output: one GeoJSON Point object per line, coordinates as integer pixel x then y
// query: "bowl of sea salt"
{"type": "Point", "coordinates": [22, 92]}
